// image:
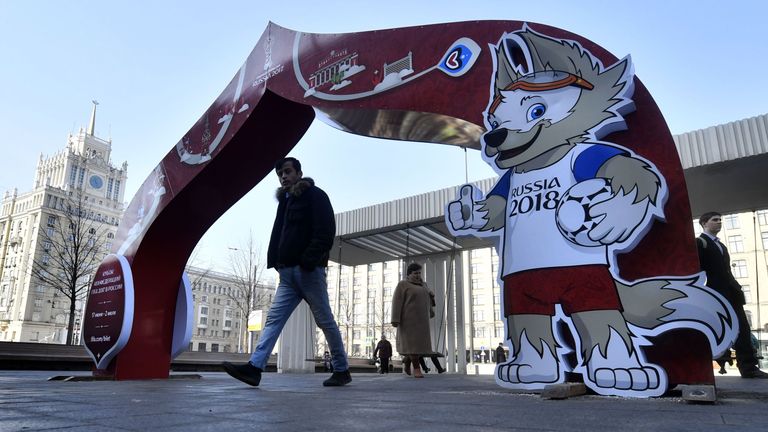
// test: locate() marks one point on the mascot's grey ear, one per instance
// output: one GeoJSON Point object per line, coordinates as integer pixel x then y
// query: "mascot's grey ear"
{"type": "Point", "coordinates": [516, 56]}
{"type": "Point", "coordinates": [505, 72]}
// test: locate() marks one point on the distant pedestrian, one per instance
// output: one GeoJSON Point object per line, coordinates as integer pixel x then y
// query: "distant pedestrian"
{"type": "Point", "coordinates": [411, 310]}
{"type": "Point", "coordinates": [501, 355]}
{"type": "Point", "coordinates": [327, 366]}
{"type": "Point", "coordinates": [384, 352]}
{"type": "Point", "coordinates": [435, 361]}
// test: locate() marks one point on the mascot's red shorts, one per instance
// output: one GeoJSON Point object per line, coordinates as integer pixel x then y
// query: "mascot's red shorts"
{"type": "Point", "coordinates": [577, 289]}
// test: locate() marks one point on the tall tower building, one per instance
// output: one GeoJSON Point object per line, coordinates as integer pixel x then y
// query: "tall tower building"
{"type": "Point", "coordinates": [29, 310]}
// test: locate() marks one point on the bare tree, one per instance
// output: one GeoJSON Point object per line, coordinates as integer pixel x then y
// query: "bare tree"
{"type": "Point", "coordinates": [251, 292]}
{"type": "Point", "coordinates": [346, 316]}
{"type": "Point", "coordinates": [73, 247]}
{"type": "Point", "coordinates": [383, 312]}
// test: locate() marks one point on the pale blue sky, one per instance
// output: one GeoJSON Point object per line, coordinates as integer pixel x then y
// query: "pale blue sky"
{"type": "Point", "coordinates": [156, 66]}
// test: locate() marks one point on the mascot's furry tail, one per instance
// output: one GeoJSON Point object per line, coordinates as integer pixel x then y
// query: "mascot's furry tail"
{"type": "Point", "coordinates": [653, 306]}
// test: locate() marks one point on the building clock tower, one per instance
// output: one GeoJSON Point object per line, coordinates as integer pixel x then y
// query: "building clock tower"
{"type": "Point", "coordinates": [29, 311]}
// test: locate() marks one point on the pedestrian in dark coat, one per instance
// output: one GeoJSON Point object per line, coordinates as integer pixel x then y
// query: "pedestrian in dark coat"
{"type": "Point", "coordinates": [501, 355]}
{"type": "Point", "coordinates": [384, 352]}
{"type": "Point", "coordinates": [716, 263]}
{"type": "Point", "coordinates": [302, 236]}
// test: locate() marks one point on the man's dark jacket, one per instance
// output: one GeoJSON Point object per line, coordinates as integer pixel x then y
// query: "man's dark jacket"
{"type": "Point", "coordinates": [304, 227]}
{"type": "Point", "coordinates": [383, 349]}
{"type": "Point", "coordinates": [717, 265]}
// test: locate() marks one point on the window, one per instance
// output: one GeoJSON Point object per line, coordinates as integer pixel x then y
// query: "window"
{"type": "Point", "coordinates": [38, 302]}
{"type": "Point", "coordinates": [214, 347]}
{"type": "Point", "coordinates": [387, 291]}
{"type": "Point", "coordinates": [747, 290]}
{"type": "Point", "coordinates": [475, 282]}
{"type": "Point", "coordinates": [388, 277]}
{"type": "Point", "coordinates": [203, 310]}
{"type": "Point", "coordinates": [477, 299]}
{"type": "Point", "coordinates": [80, 178]}
{"type": "Point", "coordinates": [356, 334]}
{"type": "Point", "coordinates": [51, 220]}
{"type": "Point", "coordinates": [762, 217]}
{"type": "Point", "coordinates": [371, 279]}
{"type": "Point", "coordinates": [735, 243]}
{"type": "Point", "coordinates": [478, 315]}
{"type": "Point", "coordinates": [731, 221]}
{"type": "Point", "coordinates": [479, 332]}
{"type": "Point", "coordinates": [117, 190]}
{"type": "Point", "coordinates": [498, 332]}
{"type": "Point", "coordinates": [764, 236]}
{"type": "Point", "coordinates": [203, 320]}
{"type": "Point", "coordinates": [35, 316]}
{"type": "Point", "coordinates": [739, 268]}
{"type": "Point", "coordinates": [201, 346]}
{"type": "Point", "coordinates": [204, 299]}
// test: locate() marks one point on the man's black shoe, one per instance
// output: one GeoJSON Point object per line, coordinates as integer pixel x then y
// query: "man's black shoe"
{"type": "Point", "coordinates": [338, 379]}
{"type": "Point", "coordinates": [246, 373]}
{"type": "Point", "coordinates": [754, 373]}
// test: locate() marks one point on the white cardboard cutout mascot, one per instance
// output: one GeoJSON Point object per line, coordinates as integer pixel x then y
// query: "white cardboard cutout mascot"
{"type": "Point", "coordinates": [564, 205]}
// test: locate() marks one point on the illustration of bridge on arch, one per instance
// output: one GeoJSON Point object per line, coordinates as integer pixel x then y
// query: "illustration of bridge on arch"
{"type": "Point", "coordinates": [453, 90]}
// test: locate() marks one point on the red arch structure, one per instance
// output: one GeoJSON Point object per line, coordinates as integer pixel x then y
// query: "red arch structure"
{"type": "Point", "coordinates": [427, 83]}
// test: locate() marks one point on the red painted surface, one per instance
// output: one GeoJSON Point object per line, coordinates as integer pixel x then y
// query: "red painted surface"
{"type": "Point", "coordinates": [277, 115]}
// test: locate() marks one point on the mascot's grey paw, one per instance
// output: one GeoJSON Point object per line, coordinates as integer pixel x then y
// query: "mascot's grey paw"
{"type": "Point", "coordinates": [530, 367]}
{"type": "Point", "coordinates": [639, 379]}
{"type": "Point", "coordinates": [526, 374]}
{"type": "Point", "coordinates": [620, 371]}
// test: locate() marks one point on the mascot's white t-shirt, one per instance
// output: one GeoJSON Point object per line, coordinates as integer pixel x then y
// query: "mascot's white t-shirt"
{"type": "Point", "coordinates": [531, 237]}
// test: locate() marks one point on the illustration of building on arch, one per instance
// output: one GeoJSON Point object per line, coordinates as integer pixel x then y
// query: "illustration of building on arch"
{"type": "Point", "coordinates": [271, 101]}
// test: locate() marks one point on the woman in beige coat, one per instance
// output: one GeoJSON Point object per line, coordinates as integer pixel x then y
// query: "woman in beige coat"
{"type": "Point", "coordinates": [412, 305]}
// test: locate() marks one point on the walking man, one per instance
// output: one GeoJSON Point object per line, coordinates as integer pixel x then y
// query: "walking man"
{"type": "Point", "coordinates": [302, 236]}
{"type": "Point", "coordinates": [384, 351]}
{"type": "Point", "coordinates": [501, 356]}
{"type": "Point", "coordinates": [716, 263]}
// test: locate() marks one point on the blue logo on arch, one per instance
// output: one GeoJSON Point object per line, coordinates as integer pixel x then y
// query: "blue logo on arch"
{"type": "Point", "coordinates": [460, 57]}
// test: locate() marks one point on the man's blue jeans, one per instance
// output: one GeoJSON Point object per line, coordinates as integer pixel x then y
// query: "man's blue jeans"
{"type": "Point", "coordinates": [295, 285]}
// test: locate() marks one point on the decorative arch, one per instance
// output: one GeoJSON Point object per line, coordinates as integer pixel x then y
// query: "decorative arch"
{"type": "Point", "coordinates": [427, 83]}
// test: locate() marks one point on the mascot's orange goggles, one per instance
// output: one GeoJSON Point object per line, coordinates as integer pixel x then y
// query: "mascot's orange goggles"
{"type": "Point", "coordinates": [543, 81]}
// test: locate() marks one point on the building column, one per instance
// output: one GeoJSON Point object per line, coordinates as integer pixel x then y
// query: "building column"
{"type": "Point", "coordinates": [296, 348]}
{"type": "Point", "coordinates": [461, 338]}
{"type": "Point", "coordinates": [437, 280]}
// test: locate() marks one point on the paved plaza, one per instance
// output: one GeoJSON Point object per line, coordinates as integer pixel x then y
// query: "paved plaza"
{"type": "Point", "coordinates": [395, 402]}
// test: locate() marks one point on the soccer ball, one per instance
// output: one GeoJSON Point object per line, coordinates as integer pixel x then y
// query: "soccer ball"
{"type": "Point", "coordinates": [572, 215]}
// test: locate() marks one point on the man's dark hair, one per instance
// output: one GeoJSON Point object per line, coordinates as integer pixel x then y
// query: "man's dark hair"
{"type": "Point", "coordinates": [295, 162]}
{"type": "Point", "coordinates": [412, 267]}
{"type": "Point", "coordinates": [707, 216]}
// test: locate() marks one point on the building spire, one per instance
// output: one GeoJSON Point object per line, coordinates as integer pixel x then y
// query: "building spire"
{"type": "Point", "coordinates": [92, 124]}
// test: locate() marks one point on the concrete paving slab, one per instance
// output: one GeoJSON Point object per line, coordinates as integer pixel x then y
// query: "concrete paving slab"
{"type": "Point", "coordinates": [371, 402]}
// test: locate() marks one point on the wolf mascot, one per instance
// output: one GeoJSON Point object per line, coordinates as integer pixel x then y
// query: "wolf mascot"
{"type": "Point", "coordinates": [564, 205]}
